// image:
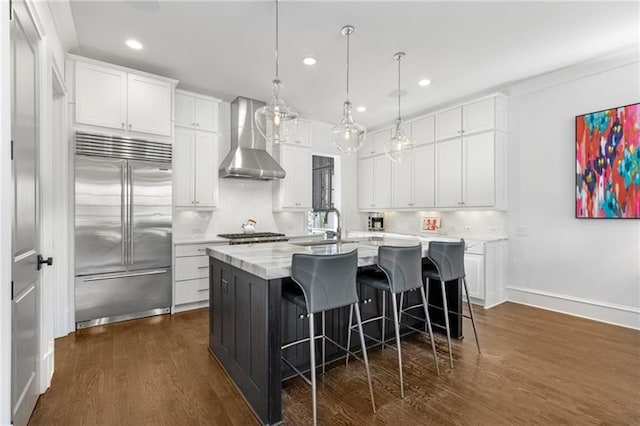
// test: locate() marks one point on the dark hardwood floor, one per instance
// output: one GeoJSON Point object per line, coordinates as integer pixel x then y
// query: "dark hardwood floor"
{"type": "Point", "coordinates": [537, 367]}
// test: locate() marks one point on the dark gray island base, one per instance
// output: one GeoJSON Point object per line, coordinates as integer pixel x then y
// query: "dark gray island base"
{"type": "Point", "coordinates": [249, 321]}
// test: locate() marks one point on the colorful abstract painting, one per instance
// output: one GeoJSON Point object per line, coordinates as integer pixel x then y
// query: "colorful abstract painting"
{"type": "Point", "coordinates": [608, 163]}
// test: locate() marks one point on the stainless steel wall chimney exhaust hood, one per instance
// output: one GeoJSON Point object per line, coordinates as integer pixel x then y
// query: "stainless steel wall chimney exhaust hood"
{"type": "Point", "coordinates": [248, 157]}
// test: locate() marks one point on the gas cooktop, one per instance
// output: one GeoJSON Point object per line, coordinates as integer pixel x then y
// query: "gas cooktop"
{"type": "Point", "coordinates": [257, 237]}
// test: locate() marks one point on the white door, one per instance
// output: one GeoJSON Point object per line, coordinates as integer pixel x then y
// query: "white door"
{"type": "Point", "coordinates": [206, 169]}
{"type": "Point", "coordinates": [449, 124]}
{"type": "Point", "coordinates": [183, 164]}
{"type": "Point", "coordinates": [448, 159]}
{"type": "Point", "coordinates": [25, 239]}
{"type": "Point", "coordinates": [402, 184]}
{"type": "Point", "coordinates": [478, 170]}
{"type": "Point", "coordinates": [305, 171]}
{"type": "Point", "coordinates": [365, 183]}
{"type": "Point", "coordinates": [149, 105]}
{"type": "Point", "coordinates": [423, 176]}
{"type": "Point", "coordinates": [381, 182]}
{"type": "Point", "coordinates": [185, 110]}
{"type": "Point", "coordinates": [478, 116]}
{"type": "Point", "coordinates": [206, 115]}
{"type": "Point", "coordinates": [101, 96]}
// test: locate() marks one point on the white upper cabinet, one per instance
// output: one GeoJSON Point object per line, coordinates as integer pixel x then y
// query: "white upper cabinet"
{"type": "Point", "coordinates": [305, 134]}
{"type": "Point", "coordinates": [402, 184]}
{"type": "Point", "coordinates": [195, 172]}
{"type": "Point", "coordinates": [101, 96]}
{"type": "Point", "coordinates": [196, 111]}
{"type": "Point", "coordinates": [423, 130]}
{"type": "Point", "coordinates": [149, 105]}
{"type": "Point", "coordinates": [448, 173]}
{"type": "Point", "coordinates": [374, 183]}
{"type": "Point", "coordinates": [374, 143]}
{"type": "Point", "coordinates": [478, 170]}
{"type": "Point", "coordinates": [449, 124]}
{"type": "Point", "coordinates": [294, 191]}
{"type": "Point", "coordinates": [423, 176]}
{"type": "Point", "coordinates": [111, 97]}
{"type": "Point", "coordinates": [478, 116]}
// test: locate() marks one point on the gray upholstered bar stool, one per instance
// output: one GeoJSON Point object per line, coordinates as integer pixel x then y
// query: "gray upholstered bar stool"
{"type": "Point", "coordinates": [401, 271]}
{"type": "Point", "coordinates": [325, 282]}
{"type": "Point", "coordinates": [448, 258]}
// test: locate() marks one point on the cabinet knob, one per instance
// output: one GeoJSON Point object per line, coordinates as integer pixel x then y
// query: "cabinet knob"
{"type": "Point", "coordinates": [197, 202]}
{"type": "Point", "coordinates": [122, 124]}
{"type": "Point", "coordinates": [197, 124]}
{"type": "Point", "coordinates": [193, 124]}
{"type": "Point", "coordinates": [129, 125]}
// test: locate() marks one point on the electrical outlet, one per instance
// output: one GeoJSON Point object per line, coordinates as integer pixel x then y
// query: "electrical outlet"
{"type": "Point", "coordinates": [522, 231]}
{"type": "Point", "coordinates": [467, 228]}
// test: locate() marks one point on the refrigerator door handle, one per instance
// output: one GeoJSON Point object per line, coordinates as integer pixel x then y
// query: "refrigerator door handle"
{"type": "Point", "coordinates": [134, 274]}
{"type": "Point", "coordinates": [123, 213]}
{"type": "Point", "coordinates": [130, 218]}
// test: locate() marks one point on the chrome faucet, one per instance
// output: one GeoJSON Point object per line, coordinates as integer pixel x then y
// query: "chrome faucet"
{"type": "Point", "coordinates": [338, 231]}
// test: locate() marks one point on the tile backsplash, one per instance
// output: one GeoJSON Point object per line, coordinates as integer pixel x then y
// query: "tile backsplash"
{"type": "Point", "coordinates": [239, 200]}
{"type": "Point", "coordinates": [455, 223]}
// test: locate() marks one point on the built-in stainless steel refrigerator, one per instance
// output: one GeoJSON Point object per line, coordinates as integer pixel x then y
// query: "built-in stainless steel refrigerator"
{"type": "Point", "coordinates": [122, 229]}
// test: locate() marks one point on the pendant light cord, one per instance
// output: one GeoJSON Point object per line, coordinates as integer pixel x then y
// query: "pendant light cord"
{"type": "Point", "coordinates": [277, 26]}
{"type": "Point", "coordinates": [399, 94]}
{"type": "Point", "coordinates": [348, 37]}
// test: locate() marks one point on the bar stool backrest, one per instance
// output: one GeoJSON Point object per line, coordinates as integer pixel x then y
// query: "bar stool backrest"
{"type": "Point", "coordinates": [402, 265]}
{"type": "Point", "coordinates": [328, 281]}
{"type": "Point", "coordinates": [448, 258]}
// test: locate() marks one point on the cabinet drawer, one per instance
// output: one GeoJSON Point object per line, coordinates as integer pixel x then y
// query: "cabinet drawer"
{"type": "Point", "coordinates": [191, 291]}
{"type": "Point", "coordinates": [191, 268]}
{"type": "Point", "coordinates": [192, 250]}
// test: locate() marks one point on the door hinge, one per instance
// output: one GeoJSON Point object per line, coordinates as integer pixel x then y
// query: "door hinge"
{"type": "Point", "coordinates": [12, 149]}
{"type": "Point", "coordinates": [10, 9]}
{"type": "Point", "coordinates": [11, 290]}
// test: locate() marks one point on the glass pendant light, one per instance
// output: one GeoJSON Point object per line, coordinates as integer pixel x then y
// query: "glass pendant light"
{"type": "Point", "coordinates": [276, 121]}
{"type": "Point", "coordinates": [399, 146]}
{"type": "Point", "coordinates": [348, 136]}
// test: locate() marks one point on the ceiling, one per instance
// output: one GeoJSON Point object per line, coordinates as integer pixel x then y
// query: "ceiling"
{"type": "Point", "coordinates": [226, 49]}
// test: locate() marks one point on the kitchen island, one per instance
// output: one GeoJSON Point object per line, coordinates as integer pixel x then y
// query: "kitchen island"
{"type": "Point", "coordinates": [249, 320]}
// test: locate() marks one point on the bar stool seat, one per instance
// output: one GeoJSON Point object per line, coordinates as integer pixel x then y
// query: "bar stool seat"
{"type": "Point", "coordinates": [322, 283]}
{"type": "Point", "coordinates": [377, 280]}
{"type": "Point", "coordinates": [400, 272]}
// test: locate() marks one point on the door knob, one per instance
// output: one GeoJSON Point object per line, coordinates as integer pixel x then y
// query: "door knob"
{"type": "Point", "coordinates": [43, 261]}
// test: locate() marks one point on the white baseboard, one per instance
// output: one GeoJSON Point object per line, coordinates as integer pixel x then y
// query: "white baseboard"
{"type": "Point", "coordinates": [190, 306]}
{"type": "Point", "coordinates": [625, 316]}
{"type": "Point", "coordinates": [46, 370]}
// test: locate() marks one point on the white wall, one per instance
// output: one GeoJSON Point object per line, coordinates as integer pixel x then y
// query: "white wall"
{"type": "Point", "coordinates": [583, 267]}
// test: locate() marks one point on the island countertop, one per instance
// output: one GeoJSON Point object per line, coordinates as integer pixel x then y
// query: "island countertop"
{"type": "Point", "coordinates": [273, 260]}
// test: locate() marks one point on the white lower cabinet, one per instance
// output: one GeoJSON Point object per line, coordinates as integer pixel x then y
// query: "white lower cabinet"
{"type": "Point", "coordinates": [485, 268]}
{"type": "Point", "coordinates": [190, 277]}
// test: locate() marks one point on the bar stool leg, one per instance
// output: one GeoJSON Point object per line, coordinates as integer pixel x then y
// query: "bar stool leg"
{"type": "Point", "coordinates": [349, 334]}
{"type": "Point", "coordinates": [384, 318]}
{"type": "Point", "coordinates": [428, 321]}
{"type": "Point", "coordinates": [324, 342]}
{"type": "Point", "coordinates": [401, 305]}
{"type": "Point", "coordinates": [364, 355]}
{"type": "Point", "coordinates": [473, 321]}
{"type": "Point", "coordinates": [312, 356]}
{"type": "Point", "coordinates": [446, 322]}
{"type": "Point", "coordinates": [397, 327]}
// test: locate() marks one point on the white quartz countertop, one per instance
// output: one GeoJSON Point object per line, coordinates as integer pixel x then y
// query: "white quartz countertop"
{"type": "Point", "coordinates": [273, 260]}
{"type": "Point", "coordinates": [199, 240]}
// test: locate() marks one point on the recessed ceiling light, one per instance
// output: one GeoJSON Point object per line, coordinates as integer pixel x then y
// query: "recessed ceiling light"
{"type": "Point", "coordinates": [309, 60]}
{"type": "Point", "coordinates": [424, 82]}
{"type": "Point", "coordinates": [134, 44]}
{"type": "Point", "coordinates": [362, 108]}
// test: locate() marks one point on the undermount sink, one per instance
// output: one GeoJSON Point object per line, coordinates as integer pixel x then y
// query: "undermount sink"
{"type": "Point", "coordinates": [324, 242]}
